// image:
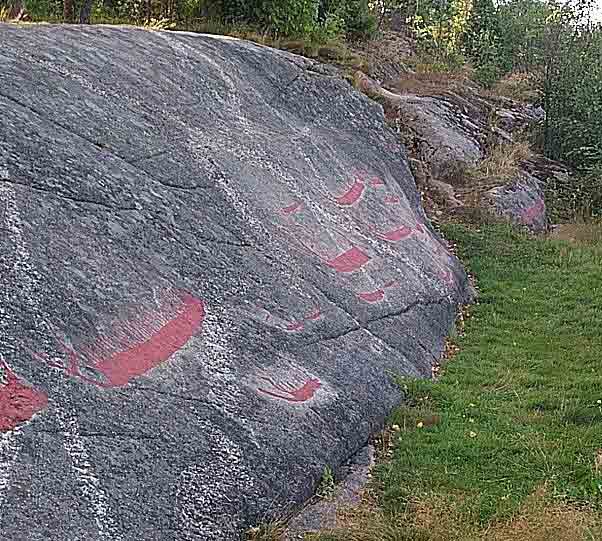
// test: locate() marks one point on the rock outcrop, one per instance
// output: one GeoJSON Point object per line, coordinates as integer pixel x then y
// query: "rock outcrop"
{"type": "Point", "coordinates": [213, 264]}
{"type": "Point", "coordinates": [451, 130]}
{"type": "Point", "coordinates": [522, 201]}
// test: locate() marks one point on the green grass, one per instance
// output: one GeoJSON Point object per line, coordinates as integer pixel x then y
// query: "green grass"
{"type": "Point", "coordinates": [514, 424]}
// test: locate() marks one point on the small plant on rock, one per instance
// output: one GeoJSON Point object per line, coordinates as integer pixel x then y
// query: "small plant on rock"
{"type": "Point", "coordinates": [326, 487]}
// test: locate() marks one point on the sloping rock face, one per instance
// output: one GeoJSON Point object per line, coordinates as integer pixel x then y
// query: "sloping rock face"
{"type": "Point", "coordinates": [447, 135]}
{"type": "Point", "coordinates": [213, 263]}
{"type": "Point", "coordinates": [456, 129]}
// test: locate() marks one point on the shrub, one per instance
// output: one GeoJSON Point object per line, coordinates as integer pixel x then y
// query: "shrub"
{"type": "Point", "coordinates": [290, 17]}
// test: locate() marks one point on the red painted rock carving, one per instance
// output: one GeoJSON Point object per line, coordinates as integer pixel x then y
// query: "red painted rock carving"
{"type": "Point", "coordinates": [358, 188]}
{"type": "Point", "coordinates": [447, 277]}
{"type": "Point", "coordinates": [395, 235]}
{"type": "Point", "coordinates": [314, 314]}
{"type": "Point", "coordinates": [352, 195]}
{"type": "Point", "coordinates": [392, 200]}
{"type": "Point", "coordinates": [290, 392]}
{"type": "Point", "coordinates": [532, 212]}
{"type": "Point", "coordinates": [377, 295]}
{"type": "Point", "coordinates": [293, 325]}
{"type": "Point", "coordinates": [398, 233]}
{"type": "Point", "coordinates": [145, 350]}
{"type": "Point", "coordinates": [372, 296]}
{"type": "Point", "coordinates": [421, 229]}
{"type": "Point", "coordinates": [18, 401]}
{"type": "Point", "coordinates": [294, 208]}
{"type": "Point", "coordinates": [349, 261]}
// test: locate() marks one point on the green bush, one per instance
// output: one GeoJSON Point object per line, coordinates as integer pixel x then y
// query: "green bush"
{"type": "Point", "coordinates": [289, 17]}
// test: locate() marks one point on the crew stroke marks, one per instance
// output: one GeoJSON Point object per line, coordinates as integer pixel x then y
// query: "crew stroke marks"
{"type": "Point", "coordinates": [377, 295]}
{"type": "Point", "coordinates": [355, 257]}
{"type": "Point", "coordinates": [148, 343]}
{"type": "Point", "coordinates": [289, 391]}
{"type": "Point", "coordinates": [18, 402]}
{"type": "Point", "coordinates": [263, 315]}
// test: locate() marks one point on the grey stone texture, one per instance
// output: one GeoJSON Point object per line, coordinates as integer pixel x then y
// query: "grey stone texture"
{"type": "Point", "coordinates": [213, 265]}
{"type": "Point", "coordinates": [522, 202]}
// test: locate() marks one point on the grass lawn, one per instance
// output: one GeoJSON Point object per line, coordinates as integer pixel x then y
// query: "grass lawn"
{"type": "Point", "coordinates": [507, 443]}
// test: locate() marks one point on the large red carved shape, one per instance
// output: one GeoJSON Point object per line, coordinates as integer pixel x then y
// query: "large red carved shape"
{"type": "Point", "coordinates": [352, 195]}
{"type": "Point", "coordinates": [349, 261]}
{"type": "Point", "coordinates": [289, 392]}
{"type": "Point", "coordinates": [18, 402]}
{"type": "Point", "coordinates": [120, 367]}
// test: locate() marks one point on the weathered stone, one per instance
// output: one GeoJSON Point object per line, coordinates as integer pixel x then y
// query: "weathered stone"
{"type": "Point", "coordinates": [447, 134]}
{"type": "Point", "coordinates": [517, 116]}
{"type": "Point", "coordinates": [213, 262]}
{"type": "Point", "coordinates": [549, 172]}
{"type": "Point", "coordinates": [522, 202]}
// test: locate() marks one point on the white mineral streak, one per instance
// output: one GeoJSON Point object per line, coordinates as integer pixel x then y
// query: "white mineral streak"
{"type": "Point", "coordinates": [18, 258]}
{"type": "Point", "coordinates": [10, 445]}
{"type": "Point", "coordinates": [202, 144]}
{"type": "Point", "coordinates": [206, 489]}
{"type": "Point", "coordinates": [17, 269]}
{"type": "Point", "coordinates": [90, 487]}
{"type": "Point", "coordinates": [207, 494]}
{"type": "Point", "coordinates": [218, 361]}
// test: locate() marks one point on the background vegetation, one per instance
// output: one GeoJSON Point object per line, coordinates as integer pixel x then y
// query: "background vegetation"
{"type": "Point", "coordinates": [551, 44]}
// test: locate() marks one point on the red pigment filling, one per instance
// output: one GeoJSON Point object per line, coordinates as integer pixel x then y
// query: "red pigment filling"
{"type": "Point", "coordinates": [376, 182]}
{"type": "Point", "coordinates": [312, 316]}
{"type": "Point", "coordinates": [291, 394]}
{"type": "Point", "coordinates": [352, 195]}
{"type": "Point", "coordinates": [392, 200]}
{"type": "Point", "coordinates": [372, 296]}
{"type": "Point", "coordinates": [397, 234]}
{"type": "Point", "coordinates": [378, 295]}
{"type": "Point", "coordinates": [292, 209]}
{"type": "Point", "coordinates": [533, 211]}
{"type": "Point", "coordinates": [349, 261]}
{"type": "Point", "coordinates": [295, 326]}
{"type": "Point", "coordinates": [18, 402]}
{"type": "Point", "coordinates": [120, 368]}
{"type": "Point", "coordinates": [447, 277]}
